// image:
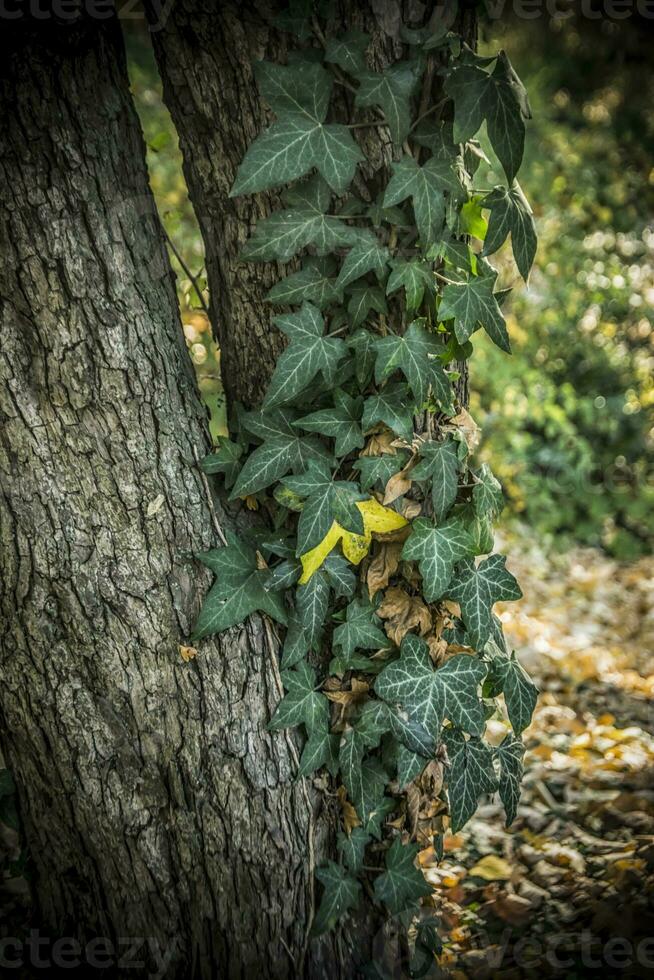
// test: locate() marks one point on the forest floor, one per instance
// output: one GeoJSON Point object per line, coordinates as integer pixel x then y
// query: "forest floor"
{"type": "Point", "coordinates": [568, 891]}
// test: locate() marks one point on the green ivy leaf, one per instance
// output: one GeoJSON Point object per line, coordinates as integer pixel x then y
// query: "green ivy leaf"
{"type": "Point", "coordinates": [285, 233]}
{"type": "Point", "coordinates": [303, 88]}
{"type": "Point", "coordinates": [284, 575]}
{"type": "Point", "coordinates": [439, 463]}
{"type": "Point", "coordinates": [429, 695]}
{"type": "Point", "coordinates": [487, 495]}
{"type": "Point", "coordinates": [312, 603]}
{"type": "Point", "coordinates": [402, 885]}
{"type": "Point", "coordinates": [341, 893]}
{"type": "Point", "coordinates": [225, 461]}
{"type": "Point", "coordinates": [362, 300]}
{"type": "Point", "coordinates": [327, 501]}
{"type": "Point", "coordinates": [321, 749]}
{"type": "Point", "coordinates": [348, 51]}
{"type": "Point", "coordinates": [498, 98]}
{"type": "Point", "coordinates": [416, 276]}
{"type": "Point", "coordinates": [340, 576]}
{"type": "Point", "coordinates": [239, 589]}
{"type": "Point", "coordinates": [471, 773]}
{"type": "Point", "coordinates": [353, 848]}
{"type": "Point", "coordinates": [296, 644]}
{"type": "Point", "coordinates": [437, 550]}
{"type": "Point", "coordinates": [414, 354]}
{"type": "Point", "coordinates": [377, 470]}
{"type": "Point", "coordinates": [271, 461]}
{"type": "Point", "coordinates": [367, 256]}
{"type": "Point", "coordinates": [409, 765]}
{"type": "Point", "coordinates": [476, 589]}
{"type": "Point", "coordinates": [391, 91]}
{"type": "Point", "coordinates": [314, 282]}
{"type": "Point", "coordinates": [362, 342]}
{"type": "Point", "coordinates": [473, 304]}
{"type": "Point", "coordinates": [394, 407]}
{"type": "Point", "coordinates": [511, 754]}
{"type": "Point", "coordinates": [511, 213]}
{"type": "Point", "coordinates": [308, 353]}
{"type": "Point", "coordinates": [425, 186]}
{"type": "Point", "coordinates": [341, 423]}
{"type": "Point", "coordinates": [361, 630]}
{"type": "Point", "coordinates": [303, 704]}
{"type": "Point", "coordinates": [520, 693]}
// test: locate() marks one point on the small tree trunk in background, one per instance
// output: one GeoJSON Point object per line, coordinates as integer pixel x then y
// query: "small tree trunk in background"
{"type": "Point", "coordinates": [205, 55]}
{"type": "Point", "coordinates": [153, 801]}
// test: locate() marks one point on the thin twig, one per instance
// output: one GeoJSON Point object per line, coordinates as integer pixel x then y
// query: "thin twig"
{"type": "Point", "coordinates": [363, 125]}
{"type": "Point", "coordinates": [207, 490]}
{"type": "Point", "coordinates": [428, 112]}
{"type": "Point", "coordinates": [311, 828]}
{"type": "Point", "coordinates": [188, 272]}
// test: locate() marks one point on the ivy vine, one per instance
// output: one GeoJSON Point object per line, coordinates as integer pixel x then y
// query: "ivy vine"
{"type": "Point", "coordinates": [375, 550]}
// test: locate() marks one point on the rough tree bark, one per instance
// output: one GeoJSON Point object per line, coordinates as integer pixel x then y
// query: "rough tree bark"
{"type": "Point", "coordinates": [154, 803]}
{"type": "Point", "coordinates": [205, 56]}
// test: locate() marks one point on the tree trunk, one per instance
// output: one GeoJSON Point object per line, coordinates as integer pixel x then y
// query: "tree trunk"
{"type": "Point", "coordinates": [154, 802]}
{"type": "Point", "coordinates": [205, 55]}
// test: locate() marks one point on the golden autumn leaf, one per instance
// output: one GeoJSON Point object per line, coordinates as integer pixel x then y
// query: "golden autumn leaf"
{"type": "Point", "coordinates": [492, 868]}
{"type": "Point", "coordinates": [376, 519]}
{"type": "Point", "coordinates": [187, 653]}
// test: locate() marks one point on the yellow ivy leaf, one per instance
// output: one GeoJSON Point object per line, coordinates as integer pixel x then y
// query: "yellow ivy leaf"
{"type": "Point", "coordinates": [376, 519]}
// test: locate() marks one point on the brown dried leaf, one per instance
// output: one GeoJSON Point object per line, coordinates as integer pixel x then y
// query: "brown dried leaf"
{"type": "Point", "coordinates": [379, 443]}
{"type": "Point", "coordinates": [403, 613]}
{"type": "Point", "coordinates": [350, 819]}
{"type": "Point", "coordinates": [410, 509]}
{"type": "Point", "coordinates": [358, 692]}
{"type": "Point", "coordinates": [397, 486]}
{"type": "Point", "coordinates": [187, 653]}
{"type": "Point", "coordinates": [468, 428]}
{"type": "Point", "coordinates": [437, 648]}
{"type": "Point", "coordinates": [383, 566]}
{"type": "Point", "coordinates": [262, 564]}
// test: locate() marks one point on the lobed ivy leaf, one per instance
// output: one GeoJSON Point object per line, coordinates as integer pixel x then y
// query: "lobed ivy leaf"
{"type": "Point", "coordinates": [341, 893]}
{"type": "Point", "coordinates": [394, 407]}
{"type": "Point", "coordinates": [391, 91]}
{"type": "Point", "coordinates": [437, 550]}
{"type": "Point", "coordinates": [224, 461]}
{"type": "Point", "coordinates": [425, 186]}
{"type": "Point", "coordinates": [520, 693]}
{"type": "Point", "coordinates": [487, 495]}
{"type": "Point", "coordinates": [473, 304]}
{"type": "Point", "coordinates": [348, 51]}
{"type": "Point", "coordinates": [312, 603]}
{"type": "Point", "coordinates": [303, 704]}
{"type": "Point", "coordinates": [274, 459]}
{"type": "Point", "coordinates": [320, 749]}
{"type": "Point", "coordinates": [353, 847]}
{"type": "Point", "coordinates": [416, 276]}
{"type": "Point", "coordinates": [511, 214]}
{"type": "Point", "coordinates": [341, 423]}
{"type": "Point", "coordinates": [362, 300]}
{"type": "Point", "coordinates": [308, 353]}
{"type": "Point", "coordinates": [361, 629]}
{"type": "Point", "coordinates": [415, 355]}
{"type": "Point", "coordinates": [314, 282]}
{"type": "Point", "coordinates": [511, 754]}
{"type": "Point", "coordinates": [362, 342]}
{"type": "Point", "coordinates": [471, 773]}
{"type": "Point", "coordinates": [296, 643]}
{"type": "Point", "coordinates": [402, 885]}
{"type": "Point", "coordinates": [409, 765]}
{"type": "Point", "coordinates": [377, 470]}
{"type": "Point", "coordinates": [239, 589]}
{"type": "Point", "coordinates": [429, 695]}
{"type": "Point", "coordinates": [367, 256]}
{"type": "Point", "coordinates": [476, 589]}
{"type": "Point", "coordinates": [439, 463]}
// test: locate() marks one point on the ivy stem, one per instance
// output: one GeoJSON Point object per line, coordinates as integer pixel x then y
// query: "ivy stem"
{"type": "Point", "coordinates": [428, 112]}
{"type": "Point", "coordinates": [449, 282]}
{"type": "Point", "coordinates": [362, 125]}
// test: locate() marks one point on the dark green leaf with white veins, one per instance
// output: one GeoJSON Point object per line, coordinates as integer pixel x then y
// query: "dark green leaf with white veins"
{"type": "Point", "coordinates": [471, 773]}
{"type": "Point", "coordinates": [361, 629]}
{"type": "Point", "coordinates": [363, 775]}
{"type": "Point", "coordinates": [362, 300]}
{"type": "Point", "coordinates": [414, 354]}
{"type": "Point", "coordinates": [308, 353]}
{"type": "Point", "coordinates": [321, 749]}
{"type": "Point", "coordinates": [402, 885]}
{"type": "Point", "coordinates": [341, 893]}
{"type": "Point", "coordinates": [303, 704]}
{"type": "Point", "coordinates": [312, 603]}
{"type": "Point", "coordinates": [437, 550]}
{"type": "Point", "coordinates": [439, 463]}
{"type": "Point", "coordinates": [425, 186]}
{"type": "Point", "coordinates": [342, 422]}
{"type": "Point", "coordinates": [353, 847]}
{"type": "Point", "coordinates": [391, 91]}
{"type": "Point", "coordinates": [520, 693]}
{"type": "Point", "coordinates": [416, 276]}
{"type": "Point", "coordinates": [314, 282]}
{"type": "Point", "coordinates": [377, 470]}
{"type": "Point", "coordinates": [473, 304]}
{"type": "Point", "coordinates": [285, 233]}
{"type": "Point", "coordinates": [271, 461]}
{"type": "Point", "coordinates": [348, 51]}
{"type": "Point", "coordinates": [394, 407]}
{"type": "Point", "coordinates": [487, 495]}
{"type": "Point", "coordinates": [511, 214]}
{"type": "Point", "coordinates": [368, 256]}
{"type": "Point", "coordinates": [476, 589]}
{"type": "Point", "coordinates": [362, 342]}
{"type": "Point", "coordinates": [239, 590]}
{"type": "Point", "coordinates": [511, 753]}
{"type": "Point", "coordinates": [409, 765]}
{"type": "Point", "coordinates": [224, 461]}
{"type": "Point", "coordinates": [430, 695]}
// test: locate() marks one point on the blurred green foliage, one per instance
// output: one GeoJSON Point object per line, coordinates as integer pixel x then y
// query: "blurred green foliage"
{"type": "Point", "coordinates": [568, 420]}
